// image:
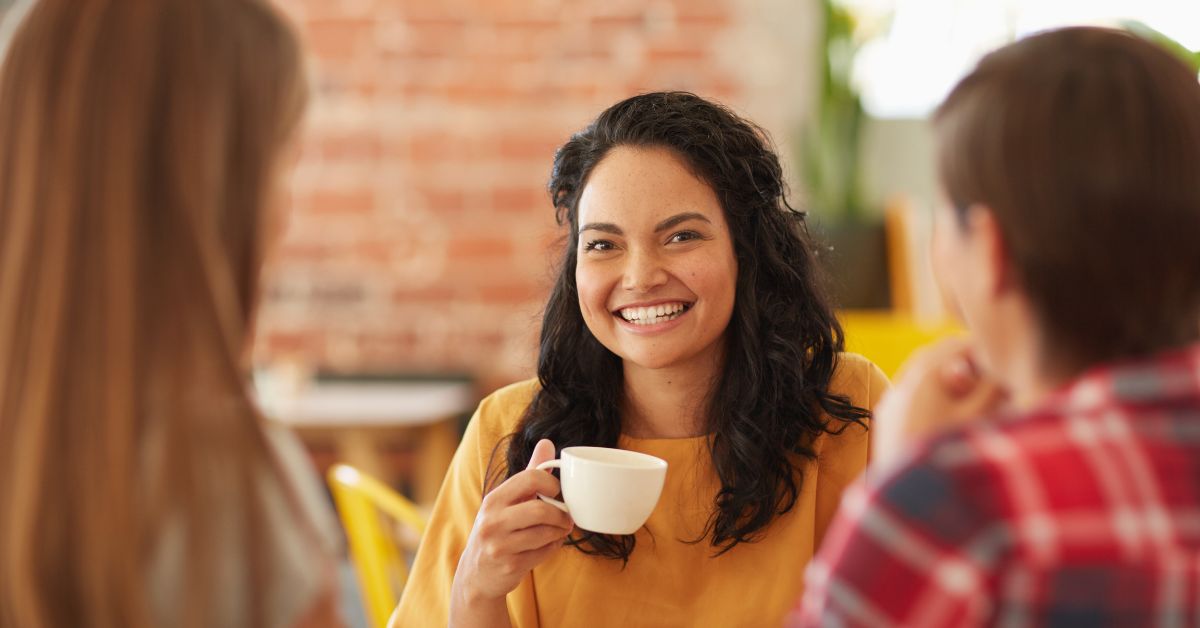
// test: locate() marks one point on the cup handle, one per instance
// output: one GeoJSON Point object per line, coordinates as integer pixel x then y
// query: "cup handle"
{"type": "Point", "coordinates": [552, 464]}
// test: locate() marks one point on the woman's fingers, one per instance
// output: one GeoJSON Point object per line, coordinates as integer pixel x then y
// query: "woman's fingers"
{"type": "Point", "coordinates": [535, 538]}
{"type": "Point", "coordinates": [514, 531]}
{"type": "Point", "coordinates": [543, 451]}
{"type": "Point", "coordinates": [539, 555]}
{"type": "Point", "coordinates": [522, 487]}
{"type": "Point", "coordinates": [534, 513]}
{"type": "Point", "coordinates": [528, 483]}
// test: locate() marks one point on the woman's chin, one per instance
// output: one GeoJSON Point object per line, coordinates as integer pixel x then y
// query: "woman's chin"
{"type": "Point", "coordinates": [650, 360]}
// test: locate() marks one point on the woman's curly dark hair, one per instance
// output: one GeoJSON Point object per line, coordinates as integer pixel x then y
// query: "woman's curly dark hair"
{"type": "Point", "coordinates": [782, 343]}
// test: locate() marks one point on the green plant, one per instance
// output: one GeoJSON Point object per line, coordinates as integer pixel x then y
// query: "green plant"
{"type": "Point", "coordinates": [1192, 58]}
{"type": "Point", "coordinates": [830, 143]}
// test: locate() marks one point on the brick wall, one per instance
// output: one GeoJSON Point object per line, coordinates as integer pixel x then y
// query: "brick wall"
{"type": "Point", "coordinates": [421, 237]}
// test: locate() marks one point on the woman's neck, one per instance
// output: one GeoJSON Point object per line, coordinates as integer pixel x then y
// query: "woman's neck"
{"type": "Point", "coordinates": [669, 402]}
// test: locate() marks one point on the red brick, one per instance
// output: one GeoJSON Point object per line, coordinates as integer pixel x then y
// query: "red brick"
{"type": "Point", "coordinates": [505, 10]}
{"type": "Point", "coordinates": [432, 14]}
{"type": "Point", "coordinates": [388, 342]}
{"type": "Point", "coordinates": [490, 248]}
{"type": "Point", "coordinates": [458, 80]}
{"type": "Point", "coordinates": [520, 199]}
{"type": "Point", "coordinates": [373, 252]}
{"type": "Point", "coordinates": [722, 90]}
{"type": "Point", "coordinates": [441, 199]}
{"type": "Point", "coordinates": [350, 147]}
{"type": "Point", "coordinates": [436, 146]}
{"type": "Point", "coordinates": [693, 53]}
{"type": "Point", "coordinates": [704, 13]}
{"type": "Point", "coordinates": [333, 39]}
{"type": "Point", "coordinates": [435, 293]}
{"type": "Point", "coordinates": [704, 21]}
{"type": "Point", "coordinates": [553, 239]}
{"type": "Point", "coordinates": [433, 39]}
{"type": "Point", "coordinates": [282, 343]}
{"type": "Point", "coordinates": [619, 21]}
{"type": "Point", "coordinates": [304, 251]}
{"type": "Point", "coordinates": [520, 146]}
{"type": "Point", "coordinates": [481, 93]}
{"type": "Point", "coordinates": [529, 23]}
{"type": "Point", "coordinates": [512, 292]}
{"type": "Point", "coordinates": [347, 201]}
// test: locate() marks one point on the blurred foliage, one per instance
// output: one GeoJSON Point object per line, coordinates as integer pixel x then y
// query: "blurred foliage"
{"type": "Point", "coordinates": [1191, 57]}
{"type": "Point", "coordinates": [830, 144]}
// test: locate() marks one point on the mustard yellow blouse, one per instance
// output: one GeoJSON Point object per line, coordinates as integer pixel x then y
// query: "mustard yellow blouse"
{"type": "Point", "coordinates": [668, 581]}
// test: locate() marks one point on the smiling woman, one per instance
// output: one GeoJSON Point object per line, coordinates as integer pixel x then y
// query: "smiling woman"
{"type": "Point", "coordinates": [686, 323]}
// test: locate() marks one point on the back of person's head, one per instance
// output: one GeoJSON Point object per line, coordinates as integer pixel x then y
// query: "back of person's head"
{"type": "Point", "coordinates": [1084, 143]}
{"type": "Point", "coordinates": [138, 145]}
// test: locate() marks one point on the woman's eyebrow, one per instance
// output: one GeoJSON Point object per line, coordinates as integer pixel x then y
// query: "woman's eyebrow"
{"type": "Point", "coordinates": [606, 227]}
{"type": "Point", "coordinates": [678, 218]}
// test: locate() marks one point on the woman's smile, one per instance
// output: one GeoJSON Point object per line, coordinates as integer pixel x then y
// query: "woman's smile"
{"type": "Point", "coordinates": [653, 318]}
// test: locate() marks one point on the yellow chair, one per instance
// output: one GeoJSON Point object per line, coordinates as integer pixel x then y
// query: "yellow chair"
{"type": "Point", "coordinates": [368, 508]}
{"type": "Point", "coordinates": [887, 338]}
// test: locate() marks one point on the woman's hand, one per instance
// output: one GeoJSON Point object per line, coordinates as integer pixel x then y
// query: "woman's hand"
{"type": "Point", "coordinates": [513, 533]}
{"type": "Point", "coordinates": [940, 387]}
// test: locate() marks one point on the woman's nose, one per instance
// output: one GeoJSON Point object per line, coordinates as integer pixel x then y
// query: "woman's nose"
{"type": "Point", "coordinates": [644, 271]}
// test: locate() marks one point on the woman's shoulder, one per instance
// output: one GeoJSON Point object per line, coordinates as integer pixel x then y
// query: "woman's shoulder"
{"type": "Point", "coordinates": [858, 379]}
{"type": "Point", "coordinates": [515, 394]}
{"type": "Point", "coordinates": [299, 544]}
{"type": "Point", "coordinates": [843, 453]}
{"type": "Point", "coordinates": [300, 477]}
{"type": "Point", "coordinates": [500, 412]}
{"type": "Point", "coordinates": [304, 533]}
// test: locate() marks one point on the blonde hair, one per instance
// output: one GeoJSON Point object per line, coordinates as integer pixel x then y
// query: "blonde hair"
{"type": "Point", "coordinates": [138, 143]}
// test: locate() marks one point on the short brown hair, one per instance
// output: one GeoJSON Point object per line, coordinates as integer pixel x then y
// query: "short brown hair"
{"type": "Point", "coordinates": [1085, 145]}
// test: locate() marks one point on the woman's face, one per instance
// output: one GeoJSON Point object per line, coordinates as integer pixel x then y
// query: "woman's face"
{"type": "Point", "coordinates": [656, 272]}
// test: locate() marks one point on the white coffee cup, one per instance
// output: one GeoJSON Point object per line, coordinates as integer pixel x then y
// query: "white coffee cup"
{"type": "Point", "coordinates": [610, 491]}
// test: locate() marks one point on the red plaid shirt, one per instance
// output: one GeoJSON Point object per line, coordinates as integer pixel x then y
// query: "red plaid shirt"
{"type": "Point", "coordinates": [1085, 512]}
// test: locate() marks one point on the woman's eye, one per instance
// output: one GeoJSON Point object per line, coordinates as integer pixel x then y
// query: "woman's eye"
{"type": "Point", "coordinates": [685, 236]}
{"type": "Point", "coordinates": [598, 245]}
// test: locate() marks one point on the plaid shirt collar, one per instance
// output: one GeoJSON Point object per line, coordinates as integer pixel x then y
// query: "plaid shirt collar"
{"type": "Point", "coordinates": [1165, 376]}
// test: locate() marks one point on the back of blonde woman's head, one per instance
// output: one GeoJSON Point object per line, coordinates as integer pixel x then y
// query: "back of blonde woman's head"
{"type": "Point", "coordinates": [138, 145]}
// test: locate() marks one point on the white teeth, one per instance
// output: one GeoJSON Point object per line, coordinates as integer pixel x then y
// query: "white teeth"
{"type": "Point", "coordinates": [653, 314]}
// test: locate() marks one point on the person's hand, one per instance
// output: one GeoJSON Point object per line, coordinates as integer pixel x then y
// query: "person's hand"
{"type": "Point", "coordinates": [514, 532]}
{"type": "Point", "coordinates": [940, 387]}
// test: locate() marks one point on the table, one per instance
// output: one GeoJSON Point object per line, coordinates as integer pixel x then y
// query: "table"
{"type": "Point", "coordinates": [356, 412]}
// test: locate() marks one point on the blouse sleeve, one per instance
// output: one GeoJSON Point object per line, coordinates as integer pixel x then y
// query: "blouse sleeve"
{"type": "Point", "coordinates": [426, 597]}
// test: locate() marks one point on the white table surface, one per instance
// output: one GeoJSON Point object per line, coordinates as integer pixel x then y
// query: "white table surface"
{"type": "Point", "coordinates": [384, 403]}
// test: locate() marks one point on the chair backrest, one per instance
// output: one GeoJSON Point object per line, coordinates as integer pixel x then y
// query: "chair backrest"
{"type": "Point", "coordinates": [887, 339]}
{"type": "Point", "coordinates": [369, 510]}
